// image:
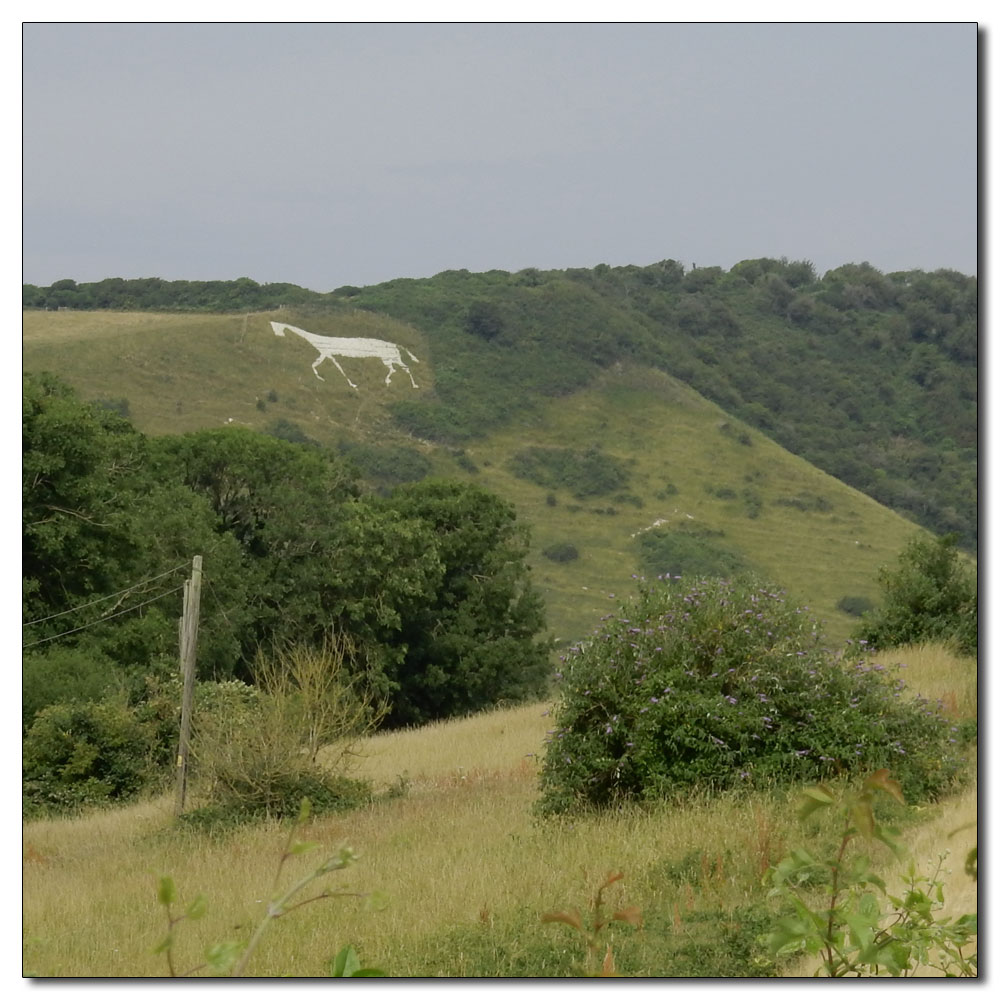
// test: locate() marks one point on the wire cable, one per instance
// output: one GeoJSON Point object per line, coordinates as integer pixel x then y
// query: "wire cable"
{"type": "Point", "coordinates": [108, 597]}
{"type": "Point", "coordinates": [98, 621]}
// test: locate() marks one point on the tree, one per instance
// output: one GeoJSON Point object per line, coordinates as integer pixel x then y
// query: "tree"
{"type": "Point", "coordinates": [315, 555]}
{"type": "Point", "coordinates": [930, 594]}
{"type": "Point", "coordinates": [76, 534]}
{"type": "Point", "coordinates": [484, 319]}
{"type": "Point", "coordinates": [102, 533]}
{"type": "Point", "coordinates": [474, 641]}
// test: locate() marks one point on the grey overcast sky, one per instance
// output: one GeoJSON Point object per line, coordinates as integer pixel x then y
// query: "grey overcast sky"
{"type": "Point", "coordinates": [333, 154]}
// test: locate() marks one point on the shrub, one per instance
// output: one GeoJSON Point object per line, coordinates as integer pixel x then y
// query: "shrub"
{"type": "Point", "coordinates": [854, 604]}
{"type": "Point", "coordinates": [85, 754]}
{"type": "Point", "coordinates": [260, 755]}
{"type": "Point", "coordinates": [929, 595]}
{"type": "Point", "coordinates": [64, 675]}
{"type": "Point", "coordinates": [722, 685]}
{"type": "Point", "coordinates": [386, 465]}
{"type": "Point", "coordinates": [119, 406]}
{"type": "Point", "coordinates": [561, 552]}
{"type": "Point", "coordinates": [464, 462]}
{"type": "Point", "coordinates": [682, 552]}
{"type": "Point", "coordinates": [584, 473]}
{"type": "Point", "coordinates": [753, 503]}
{"type": "Point", "coordinates": [288, 430]}
{"type": "Point", "coordinates": [848, 927]}
{"type": "Point", "coordinates": [808, 502]}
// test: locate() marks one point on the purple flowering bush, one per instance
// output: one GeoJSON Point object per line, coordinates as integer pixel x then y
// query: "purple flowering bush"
{"type": "Point", "coordinates": [725, 684]}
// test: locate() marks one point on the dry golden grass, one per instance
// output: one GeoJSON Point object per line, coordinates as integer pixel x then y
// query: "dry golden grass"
{"type": "Point", "coordinates": [459, 849]}
{"type": "Point", "coordinates": [935, 673]}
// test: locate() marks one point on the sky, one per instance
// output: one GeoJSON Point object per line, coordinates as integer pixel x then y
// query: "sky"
{"type": "Point", "coordinates": [334, 154]}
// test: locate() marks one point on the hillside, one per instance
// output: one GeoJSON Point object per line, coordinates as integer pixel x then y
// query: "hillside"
{"type": "Point", "coordinates": [633, 471]}
{"type": "Point", "coordinates": [871, 377]}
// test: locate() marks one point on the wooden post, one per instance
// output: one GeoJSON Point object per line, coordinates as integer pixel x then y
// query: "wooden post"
{"type": "Point", "coordinates": [188, 652]}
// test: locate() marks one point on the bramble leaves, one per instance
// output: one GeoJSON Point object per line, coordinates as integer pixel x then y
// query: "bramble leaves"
{"type": "Point", "coordinates": [851, 931]}
{"type": "Point", "coordinates": [166, 892]}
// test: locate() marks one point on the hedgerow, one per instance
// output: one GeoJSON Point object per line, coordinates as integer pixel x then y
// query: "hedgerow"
{"type": "Point", "coordinates": [721, 684]}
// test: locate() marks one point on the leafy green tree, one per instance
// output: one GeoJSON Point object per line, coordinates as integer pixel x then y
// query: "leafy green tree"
{"type": "Point", "coordinates": [484, 319]}
{"type": "Point", "coordinates": [929, 594]}
{"type": "Point", "coordinates": [315, 555]}
{"type": "Point", "coordinates": [77, 540]}
{"type": "Point", "coordinates": [475, 640]}
{"type": "Point", "coordinates": [105, 538]}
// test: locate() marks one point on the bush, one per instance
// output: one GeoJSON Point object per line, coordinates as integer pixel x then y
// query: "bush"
{"type": "Point", "coordinates": [288, 430]}
{"type": "Point", "coordinates": [854, 604]}
{"type": "Point", "coordinates": [584, 473]}
{"type": "Point", "coordinates": [64, 675]}
{"type": "Point", "coordinates": [85, 754]}
{"type": "Point", "coordinates": [386, 466]}
{"type": "Point", "coordinates": [682, 552]}
{"type": "Point", "coordinates": [327, 793]}
{"type": "Point", "coordinates": [260, 754]}
{"type": "Point", "coordinates": [808, 502]}
{"type": "Point", "coordinates": [561, 552]}
{"type": "Point", "coordinates": [929, 595]}
{"type": "Point", "coordinates": [722, 685]}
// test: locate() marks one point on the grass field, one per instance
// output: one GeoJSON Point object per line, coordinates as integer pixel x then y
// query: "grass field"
{"type": "Point", "coordinates": [467, 870]}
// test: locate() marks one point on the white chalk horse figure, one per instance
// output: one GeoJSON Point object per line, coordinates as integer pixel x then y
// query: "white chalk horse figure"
{"type": "Point", "coordinates": [351, 347]}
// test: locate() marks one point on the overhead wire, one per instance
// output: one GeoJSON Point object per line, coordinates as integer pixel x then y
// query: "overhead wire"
{"type": "Point", "coordinates": [97, 600]}
{"type": "Point", "coordinates": [97, 621]}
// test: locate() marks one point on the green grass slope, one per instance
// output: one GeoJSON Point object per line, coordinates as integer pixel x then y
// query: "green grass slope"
{"type": "Point", "coordinates": [690, 475]}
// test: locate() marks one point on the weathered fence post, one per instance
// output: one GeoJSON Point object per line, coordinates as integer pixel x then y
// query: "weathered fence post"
{"type": "Point", "coordinates": [188, 651]}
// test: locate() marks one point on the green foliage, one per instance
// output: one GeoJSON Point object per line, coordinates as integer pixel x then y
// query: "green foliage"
{"type": "Point", "coordinates": [838, 900]}
{"type": "Point", "coordinates": [60, 674]}
{"type": "Point", "coordinates": [86, 754]}
{"type": "Point", "coordinates": [855, 604]}
{"type": "Point", "coordinates": [484, 319]}
{"type": "Point", "coordinates": [722, 685]}
{"type": "Point", "coordinates": [105, 534]}
{"type": "Point", "coordinates": [584, 473]}
{"type": "Point", "coordinates": [386, 466]}
{"type": "Point", "coordinates": [708, 942]}
{"type": "Point", "coordinates": [930, 594]}
{"type": "Point", "coordinates": [687, 553]}
{"type": "Point", "coordinates": [473, 639]}
{"type": "Point", "coordinates": [77, 535]}
{"type": "Point", "coordinates": [808, 502]}
{"type": "Point", "coordinates": [346, 965]}
{"type": "Point", "coordinates": [249, 805]}
{"type": "Point", "coordinates": [167, 296]}
{"type": "Point", "coordinates": [119, 406]}
{"type": "Point", "coordinates": [561, 552]}
{"type": "Point", "coordinates": [288, 430]}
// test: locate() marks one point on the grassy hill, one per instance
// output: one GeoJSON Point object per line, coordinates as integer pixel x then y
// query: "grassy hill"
{"type": "Point", "coordinates": [871, 377]}
{"type": "Point", "coordinates": [689, 482]}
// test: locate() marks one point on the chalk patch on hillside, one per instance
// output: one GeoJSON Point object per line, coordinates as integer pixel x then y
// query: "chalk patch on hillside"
{"type": "Point", "coordinates": [330, 348]}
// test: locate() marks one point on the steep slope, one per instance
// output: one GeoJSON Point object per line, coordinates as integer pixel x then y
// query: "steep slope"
{"type": "Point", "coordinates": [635, 471]}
